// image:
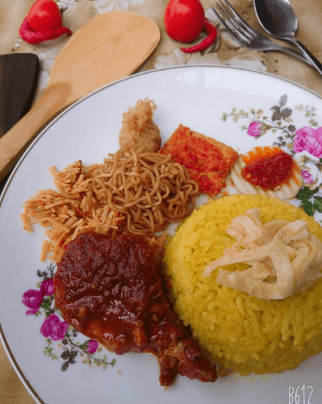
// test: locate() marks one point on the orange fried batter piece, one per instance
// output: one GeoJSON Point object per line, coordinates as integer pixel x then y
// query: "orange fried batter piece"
{"type": "Point", "coordinates": [207, 160]}
{"type": "Point", "coordinates": [138, 128]}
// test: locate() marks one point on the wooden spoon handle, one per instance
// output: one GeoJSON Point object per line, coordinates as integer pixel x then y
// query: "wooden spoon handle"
{"type": "Point", "coordinates": [15, 142]}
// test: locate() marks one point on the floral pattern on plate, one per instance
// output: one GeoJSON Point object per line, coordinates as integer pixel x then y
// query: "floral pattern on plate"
{"type": "Point", "coordinates": [61, 339]}
{"type": "Point", "coordinates": [304, 144]}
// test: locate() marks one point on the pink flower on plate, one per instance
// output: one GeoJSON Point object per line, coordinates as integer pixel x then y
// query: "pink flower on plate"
{"type": "Point", "coordinates": [53, 328]}
{"type": "Point", "coordinates": [32, 299]}
{"type": "Point", "coordinates": [47, 287]}
{"type": "Point", "coordinates": [253, 129]}
{"type": "Point", "coordinates": [92, 346]}
{"type": "Point", "coordinates": [307, 177]}
{"type": "Point", "coordinates": [310, 140]}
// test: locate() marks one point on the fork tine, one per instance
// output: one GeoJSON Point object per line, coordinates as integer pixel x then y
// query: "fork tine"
{"type": "Point", "coordinates": [238, 17]}
{"type": "Point", "coordinates": [234, 21]}
{"type": "Point", "coordinates": [231, 31]}
{"type": "Point", "coordinates": [238, 29]}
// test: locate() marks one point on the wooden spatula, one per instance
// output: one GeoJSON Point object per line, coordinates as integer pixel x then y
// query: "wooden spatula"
{"type": "Point", "coordinates": [108, 47]}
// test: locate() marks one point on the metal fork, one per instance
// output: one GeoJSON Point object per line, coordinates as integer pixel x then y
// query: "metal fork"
{"type": "Point", "coordinates": [245, 35]}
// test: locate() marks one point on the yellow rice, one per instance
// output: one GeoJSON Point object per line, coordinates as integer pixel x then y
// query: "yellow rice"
{"type": "Point", "coordinates": [242, 333]}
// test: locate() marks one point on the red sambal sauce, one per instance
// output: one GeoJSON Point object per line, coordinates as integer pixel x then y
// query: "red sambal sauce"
{"type": "Point", "coordinates": [117, 283]}
{"type": "Point", "coordinates": [268, 169]}
{"type": "Point", "coordinates": [97, 268]}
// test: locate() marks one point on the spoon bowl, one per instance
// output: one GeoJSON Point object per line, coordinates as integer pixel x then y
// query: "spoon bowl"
{"type": "Point", "coordinates": [278, 18]}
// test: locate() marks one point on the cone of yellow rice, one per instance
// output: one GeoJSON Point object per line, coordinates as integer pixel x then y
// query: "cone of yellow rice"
{"type": "Point", "coordinates": [241, 332]}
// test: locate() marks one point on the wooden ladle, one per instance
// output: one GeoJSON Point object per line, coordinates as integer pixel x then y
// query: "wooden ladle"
{"type": "Point", "coordinates": [108, 47]}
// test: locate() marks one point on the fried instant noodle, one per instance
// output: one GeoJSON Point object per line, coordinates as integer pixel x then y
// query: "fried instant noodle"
{"type": "Point", "coordinates": [132, 191]}
{"type": "Point", "coordinates": [69, 212]}
{"type": "Point", "coordinates": [148, 188]}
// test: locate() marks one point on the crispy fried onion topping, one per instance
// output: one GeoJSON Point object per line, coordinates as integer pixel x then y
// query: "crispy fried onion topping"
{"type": "Point", "coordinates": [284, 257]}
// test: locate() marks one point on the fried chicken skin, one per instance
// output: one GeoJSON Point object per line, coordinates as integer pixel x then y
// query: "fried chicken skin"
{"type": "Point", "coordinates": [112, 290]}
{"type": "Point", "coordinates": [138, 128]}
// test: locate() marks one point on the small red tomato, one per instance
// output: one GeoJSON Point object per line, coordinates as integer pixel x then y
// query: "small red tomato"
{"type": "Point", "coordinates": [184, 19]}
{"type": "Point", "coordinates": [44, 15]}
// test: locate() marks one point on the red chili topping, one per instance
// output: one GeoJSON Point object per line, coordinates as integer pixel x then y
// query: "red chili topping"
{"type": "Point", "coordinates": [268, 169]}
{"type": "Point", "coordinates": [211, 31]}
{"type": "Point", "coordinates": [197, 154]}
{"type": "Point", "coordinates": [207, 163]}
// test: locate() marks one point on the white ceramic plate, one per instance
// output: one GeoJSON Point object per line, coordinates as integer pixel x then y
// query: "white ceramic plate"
{"type": "Point", "coordinates": [207, 100]}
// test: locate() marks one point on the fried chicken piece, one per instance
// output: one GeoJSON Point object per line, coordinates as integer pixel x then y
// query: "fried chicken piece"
{"type": "Point", "coordinates": [208, 161]}
{"type": "Point", "coordinates": [112, 290]}
{"type": "Point", "coordinates": [138, 128]}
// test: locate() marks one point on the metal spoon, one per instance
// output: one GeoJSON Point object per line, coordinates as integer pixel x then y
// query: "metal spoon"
{"type": "Point", "coordinates": [277, 17]}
